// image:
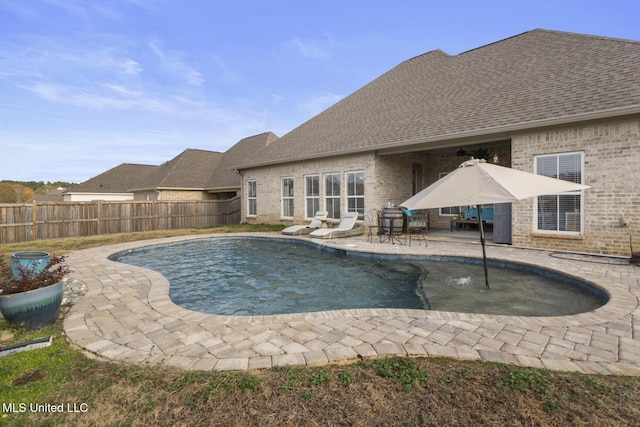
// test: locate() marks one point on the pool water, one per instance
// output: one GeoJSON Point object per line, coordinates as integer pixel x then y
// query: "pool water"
{"type": "Point", "coordinates": [256, 276]}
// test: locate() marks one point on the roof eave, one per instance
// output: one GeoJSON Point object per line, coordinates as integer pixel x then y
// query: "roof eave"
{"type": "Point", "coordinates": [96, 192]}
{"type": "Point", "coordinates": [169, 189]}
{"type": "Point", "coordinates": [221, 189]}
{"type": "Point", "coordinates": [507, 130]}
{"type": "Point", "coordinates": [452, 139]}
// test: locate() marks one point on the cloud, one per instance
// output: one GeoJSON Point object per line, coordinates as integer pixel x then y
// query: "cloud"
{"type": "Point", "coordinates": [172, 63]}
{"type": "Point", "coordinates": [129, 66]}
{"type": "Point", "coordinates": [62, 59]}
{"type": "Point", "coordinates": [115, 97]}
{"type": "Point", "coordinates": [312, 48]}
{"type": "Point", "coordinates": [320, 102]}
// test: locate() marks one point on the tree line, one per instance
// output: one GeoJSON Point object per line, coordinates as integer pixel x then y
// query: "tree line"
{"type": "Point", "coordinates": [22, 191]}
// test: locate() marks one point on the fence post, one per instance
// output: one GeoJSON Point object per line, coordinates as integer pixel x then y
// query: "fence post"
{"type": "Point", "coordinates": [34, 219]}
{"type": "Point", "coordinates": [153, 215]}
{"type": "Point", "coordinates": [195, 211]}
{"type": "Point", "coordinates": [99, 227]}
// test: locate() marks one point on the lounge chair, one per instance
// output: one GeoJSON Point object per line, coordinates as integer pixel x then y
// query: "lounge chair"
{"type": "Point", "coordinates": [346, 228]}
{"type": "Point", "coordinates": [299, 230]}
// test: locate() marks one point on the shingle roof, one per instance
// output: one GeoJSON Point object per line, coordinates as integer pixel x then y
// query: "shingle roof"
{"type": "Point", "coordinates": [119, 179]}
{"type": "Point", "coordinates": [225, 175]}
{"type": "Point", "coordinates": [190, 169]}
{"type": "Point", "coordinates": [51, 196]}
{"type": "Point", "coordinates": [524, 81]}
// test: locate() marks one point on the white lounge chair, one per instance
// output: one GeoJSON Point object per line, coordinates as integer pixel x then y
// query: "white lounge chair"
{"type": "Point", "coordinates": [346, 228]}
{"type": "Point", "coordinates": [299, 230]}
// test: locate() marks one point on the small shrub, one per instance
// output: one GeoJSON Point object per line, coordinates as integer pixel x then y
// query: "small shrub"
{"type": "Point", "coordinates": [247, 382]}
{"type": "Point", "coordinates": [346, 377]}
{"type": "Point", "coordinates": [319, 376]}
{"type": "Point", "coordinates": [402, 369]}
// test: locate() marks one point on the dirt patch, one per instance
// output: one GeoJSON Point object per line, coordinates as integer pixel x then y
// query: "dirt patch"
{"type": "Point", "coordinates": [27, 378]}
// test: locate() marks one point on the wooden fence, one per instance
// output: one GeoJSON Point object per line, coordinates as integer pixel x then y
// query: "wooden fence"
{"type": "Point", "coordinates": [53, 220]}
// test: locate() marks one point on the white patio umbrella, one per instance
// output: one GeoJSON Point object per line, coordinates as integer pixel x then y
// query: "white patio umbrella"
{"type": "Point", "coordinates": [476, 182]}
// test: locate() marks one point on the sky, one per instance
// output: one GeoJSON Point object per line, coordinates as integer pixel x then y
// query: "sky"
{"type": "Point", "coordinates": [86, 85]}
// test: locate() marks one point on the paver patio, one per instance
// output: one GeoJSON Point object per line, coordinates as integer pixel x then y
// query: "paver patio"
{"type": "Point", "coordinates": [127, 316]}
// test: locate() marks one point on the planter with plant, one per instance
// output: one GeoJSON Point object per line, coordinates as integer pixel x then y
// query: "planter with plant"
{"type": "Point", "coordinates": [30, 297]}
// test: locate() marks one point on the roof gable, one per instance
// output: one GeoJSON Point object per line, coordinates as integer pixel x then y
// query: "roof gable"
{"type": "Point", "coordinates": [119, 179]}
{"type": "Point", "coordinates": [225, 175]}
{"type": "Point", "coordinates": [190, 169]}
{"type": "Point", "coordinates": [523, 81]}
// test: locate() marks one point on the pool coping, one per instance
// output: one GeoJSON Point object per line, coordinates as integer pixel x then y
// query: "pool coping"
{"type": "Point", "coordinates": [127, 316]}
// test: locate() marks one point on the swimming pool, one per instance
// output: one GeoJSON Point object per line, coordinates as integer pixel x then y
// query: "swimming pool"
{"type": "Point", "coordinates": [260, 276]}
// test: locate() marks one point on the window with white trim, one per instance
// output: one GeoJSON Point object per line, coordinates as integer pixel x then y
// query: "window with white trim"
{"type": "Point", "coordinates": [449, 210]}
{"type": "Point", "coordinates": [251, 198]}
{"type": "Point", "coordinates": [355, 192]}
{"type": "Point", "coordinates": [312, 195]}
{"type": "Point", "coordinates": [287, 197]}
{"type": "Point", "coordinates": [562, 213]}
{"type": "Point", "coordinates": [332, 194]}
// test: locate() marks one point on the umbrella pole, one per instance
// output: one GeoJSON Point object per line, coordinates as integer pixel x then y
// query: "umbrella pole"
{"type": "Point", "coordinates": [482, 243]}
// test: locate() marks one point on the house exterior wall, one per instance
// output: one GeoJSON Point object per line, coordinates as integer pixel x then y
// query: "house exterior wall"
{"type": "Point", "coordinates": [182, 195]}
{"type": "Point", "coordinates": [394, 178]}
{"type": "Point", "coordinates": [611, 152]}
{"type": "Point", "coordinates": [269, 191]}
{"type": "Point", "coordinates": [88, 197]}
{"type": "Point", "coordinates": [172, 195]}
{"type": "Point", "coordinates": [611, 167]}
{"type": "Point", "coordinates": [151, 195]}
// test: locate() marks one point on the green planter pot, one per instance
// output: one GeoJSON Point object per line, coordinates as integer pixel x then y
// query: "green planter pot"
{"type": "Point", "coordinates": [29, 262]}
{"type": "Point", "coordinates": [32, 309]}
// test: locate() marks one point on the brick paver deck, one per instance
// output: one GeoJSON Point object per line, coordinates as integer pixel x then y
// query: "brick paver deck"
{"type": "Point", "coordinates": [127, 316]}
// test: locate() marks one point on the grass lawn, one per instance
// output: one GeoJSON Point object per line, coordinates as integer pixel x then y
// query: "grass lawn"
{"type": "Point", "coordinates": [392, 391]}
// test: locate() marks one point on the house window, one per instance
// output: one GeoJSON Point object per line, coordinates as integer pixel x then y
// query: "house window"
{"type": "Point", "coordinates": [450, 210]}
{"type": "Point", "coordinates": [416, 178]}
{"type": "Point", "coordinates": [332, 194]}
{"type": "Point", "coordinates": [312, 195]}
{"type": "Point", "coordinates": [251, 198]}
{"type": "Point", "coordinates": [560, 212]}
{"type": "Point", "coordinates": [287, 197]}
{"type": "Point", "coordinates": [355, 193]}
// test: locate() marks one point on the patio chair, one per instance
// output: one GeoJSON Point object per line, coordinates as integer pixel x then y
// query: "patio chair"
{"type": "Point", "coordinates": [300, 230]}
{"type": "Point", "coordinates": [373, 222]}
{"type": "Point", "coordinates": [346, 228]}
{"type": "Point", "coordinates": [417, 225]}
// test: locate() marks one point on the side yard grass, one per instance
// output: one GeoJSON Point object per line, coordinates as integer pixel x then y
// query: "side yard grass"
{"type": "Point", "coordinates": [59, 385]}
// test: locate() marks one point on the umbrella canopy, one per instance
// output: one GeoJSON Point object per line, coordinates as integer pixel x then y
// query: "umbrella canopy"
{"type": "Point", "coordinates": [476, 182]}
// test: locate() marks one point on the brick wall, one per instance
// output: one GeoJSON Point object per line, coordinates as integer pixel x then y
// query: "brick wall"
{"type": "Point", "coordinates": [183, 195]}
{"type": "Point", "coordinates": [269, 191]}
{"type": "Point", "coordinates": [611, 167]}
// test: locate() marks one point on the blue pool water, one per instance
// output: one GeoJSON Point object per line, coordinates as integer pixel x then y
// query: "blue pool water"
{"type": "Point", "coordinates": [253, 276]}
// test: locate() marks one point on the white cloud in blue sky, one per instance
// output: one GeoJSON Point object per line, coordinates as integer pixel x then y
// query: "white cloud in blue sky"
{"type": "Point", "coordinates": [88, 84]}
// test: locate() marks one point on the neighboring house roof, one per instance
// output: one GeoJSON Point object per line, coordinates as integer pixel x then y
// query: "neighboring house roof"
{"type": "Point", "coordinates": [225, 175]}
{"type": "Point", "coordinates": [191, 170]}
{"type": "Point", "coordinates": [119, 179]}
{"type": "Point", "coordinates": [50, 196]}
{"type": "Point", "coordinates": [537, 78]}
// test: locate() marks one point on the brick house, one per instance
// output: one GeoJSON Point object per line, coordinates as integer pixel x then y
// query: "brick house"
{"type": "Point", "coordinates": [560, 104]}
